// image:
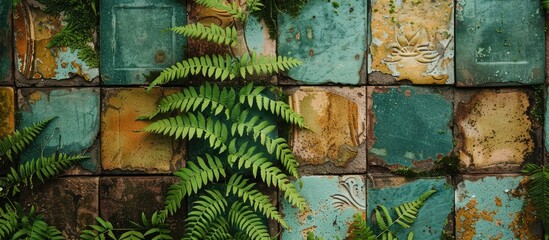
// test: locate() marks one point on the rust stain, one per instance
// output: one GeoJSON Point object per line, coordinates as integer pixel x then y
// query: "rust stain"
{"type": "Point", "coordinates": [497, 201]}
{"type": "Point", "coordinates": [306, 231]}
{"type": "Point", "coordinates": [523, 222]}
{"type": "Point", "coordinates": [467, 217]}
{"type": "Point", "coordinates": [34, 97]}
{"type": "Point", "coordinates": [7, 110]}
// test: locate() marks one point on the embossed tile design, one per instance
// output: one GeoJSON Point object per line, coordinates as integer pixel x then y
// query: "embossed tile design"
{"type": "Point", "coordinates": [133, 42]}
{"type": "Point", "coordinates": [496, 49]}
{"type": "Point", "coordinates": [332, 200]}
{"type": "Point", "coordinates": [435, 217]}
{"type": "Point", "coordinates": [494, 207]}
{"type": "Point", "coordinates": [70, 203]}
{"type": "Point", "coordinates": [495, 131]}
{"type": "Point", "coordinates": [409, 126]}
{"type": "Point", "coordinates": [5, 43]}
{"type": "Point", "coordinates": [123, 146]}
{"type": "Point", "coordinates": [74, 129]}
{"type": "Point", "coordinates": [412, 40]}
{"type": "Point", "coordinates": [123, 199]}
{"type": "Point", "coordinates": [7, 110]}
{"type": "Point", "coordinates": [336, 139]}
{"type": "Point", "coordinates": [329, 37]}
{"type": "Point", "coordinates": [34, 30]}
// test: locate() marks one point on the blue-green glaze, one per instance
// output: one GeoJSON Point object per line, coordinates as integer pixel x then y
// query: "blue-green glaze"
{"type": "Point", "coordinates": [5, 39]}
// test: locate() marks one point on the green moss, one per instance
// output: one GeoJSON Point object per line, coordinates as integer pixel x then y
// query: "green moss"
{"type": "Point", "coordinates": [537, 109]}
{"type": "Point", "coordinates": [448, 165]}
{"type": "Point", "coordinates": [335, 4]}
{"type": "Point", "coordinates": [273, 7]}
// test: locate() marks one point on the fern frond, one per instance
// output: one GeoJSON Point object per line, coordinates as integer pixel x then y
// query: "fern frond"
{"type": "Point", "coordinates": [132, 235]}
{"type": "Point", "coordinates": [218, 66]}
{"type": "Point", "coordinates": [219, 230]}
{"type": "Point", "coordinates": [252, 96]}
{"type": "Point", "coordinates": [157, 229]}
{"type": "Point", "coordinates": [240, 187]}
{"type": "Point", "coordinates": [232, 8]}
{"type": "Point", "coordinates": [193, 178]}
{"type": "Point", "coordinates": [265, 64]}
{"type": "Point", "coordinates": [360, 230]}
{"type": "Point", "coordinates": [9, 220]}
{"type": "Point", "coordinates": [101, 231]}
{"type": "Point", "coordinates": [17, 141]}
{"type": "Point", "coordinates": [211, 33]}
{"type": "Point", "coordinates": [17, 224]}
{"type": "Point", "coordinates": [41, 168]}
{"type": "Point", "coordinates": [538, 189]}
{"type": "Point", "coordinates": [245, 219]}
{"type": "Point", "coordinates": [545, 5]}
{"type": "Point", "coordinates": [193, 125]}
{"type": "Point", "coordinates": [204, 211]}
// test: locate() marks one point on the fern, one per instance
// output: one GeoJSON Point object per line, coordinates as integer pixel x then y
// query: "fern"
{"type": "Point", "coordinates": [212, 33]}
{"type": "Point", "coordinates": [232, 8]}
{"type": "Point", "coordinates": [538, 191]}
{"type": "Point", "coordinates": [218, 230]}
{"type": "Point", "coordinates": [101, 231]}
{"type": "Point", "coordinates": [360, 230]}
{"type": "Point", "coordinates": [15, 143]}
{"type": "Point", "coordinates": [545, 5]}
{"type": "Point", "coordinates": [17, 224]}
{"type": "Point", "coordinates": [204, 211]}
{"type": "Point", "coordinates": [242, 216]}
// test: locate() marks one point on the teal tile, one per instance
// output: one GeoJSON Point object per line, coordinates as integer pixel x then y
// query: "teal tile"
{"type": "Point", "coordinates": [432, 218]}
{"type": "Point", "coordinates": [133, 42]}
{"type": "Point", "coordinates": [5, 42]}
{"type": "Point", "coordinates": [499, 43]}
{"type": "Point", "coordinates": [494, 207]}
{"type": "Point", "coordinates": [329, 37]}
{"type": "Point", "coordinates": [332, 201]}
{"type": "Point", "coordinates": [73, 131]}
{"type": "Point", "coordinates": [411, 126]}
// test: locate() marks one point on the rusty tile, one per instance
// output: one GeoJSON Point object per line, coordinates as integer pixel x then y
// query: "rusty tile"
{"type": "Point", "coordinates": [495, 131]}
{"type": "Point", "coordinates": [7, 111]}
{"type": "Point", "coordinates": [493, 49]}
{"type": "Point", "coordinates": [323, 33]}
{"type": "Point", "coordinates": [133, 42]}
{"type": "Point", "coordinates": [494, 207]}
{"type": "Point", "coordinates": [434, 220]}
{"type": "Point", "coordinates": [409, 126]}
{"type": "Point", "coordinates": [37, 63]}
{"type": "Point", "coordinates": [332, 200]}
{"type": "Point", "coordinates": [336, 139]}
{"type": "Point", "coordinates": [69, 203]}
{"type": "Point", "coordinates": [123, 146]}
{"type": "Point", "coordinates": [6, 55]}
{"type": "Point", "coordinates": [75, 128]}
{"type": "Point", "coordinates": [412, 40]}
{"type": "Point", "coordinates": [123, 199]}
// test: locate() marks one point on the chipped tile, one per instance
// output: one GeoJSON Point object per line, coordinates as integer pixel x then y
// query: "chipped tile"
{"type": "Point", "coordinates": [409, 126]}
{"type": "Point", "coordinates": [434, 219]}
{"type": "Point", "coordinates": [133, 43]}
{"type": "Point", "coordinates": [6, 37]}
{"type": "Point", "coordinates": [69, 203]}
{"type": "Point", "coordinates": [123, 199]}
{"type": "Point", "coordinates": [75, 128]}
{"type": "Point", "coordinates": [408, 44]}
{"type": "Point", "coordinates": [323, 33]}
{"type": "Point", "coordinates": [123, 146]}
{"type": "Point", "coordinates": [496, 49]}
{"type": "Point", "coordinates": [494, 207]}
{"type": "Point", "coordinates": [7, 111]}
{"type": "Point", "coordinates": [332, 201]}
{"type": "Point", "coordinates": [495, 131]}
{"type": "Point", "coordinates": [336, 139]}
{"type": "Point", "coordinates": [36, 62]}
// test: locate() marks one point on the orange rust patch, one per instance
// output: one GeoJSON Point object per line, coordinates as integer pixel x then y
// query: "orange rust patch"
{"type": "Point", "coordinates": [497, 201]}
{"type": "Point", "coordinates": [524, 221]}
{"type": "Point", "coordinates": [7, 121]}
{"type": "Point", "coordinates": [467, 217]}
{"type": "Point", "coordinates": [34, 97]}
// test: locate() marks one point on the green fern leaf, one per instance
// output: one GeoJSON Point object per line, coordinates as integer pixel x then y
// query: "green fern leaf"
{"type": "Point", "coordinates": [240, 187]}
{"type": "Point", "coordinates": [407, 212]}
{"type": "Point", "coordinates": [9, 220]}
{"type": "Point", "coordinates": [538, 190]}
{"type": "Point", "coordinates": [218, 230]}
{"type": "Point", "coordinates": [360, 230]}
{"type": "Point", "coordinates": [193, 125]}
{"type": "Point", "coordinates": [96, 232]}
{"type": "Point", "coordinates": [232, 8]}
{"type": "Point", "coordinates": [204, 211]}
{"type": "Point", "coordinates": [211, 33]}
{"type": "Point", "coordinates": [17, 141]}
{"type": "Point", "coordinates": [242, 217]}
{"type": "Point", "coordinates": [132, 235]}
{"type": "Point", "coordinates": [263, 64]}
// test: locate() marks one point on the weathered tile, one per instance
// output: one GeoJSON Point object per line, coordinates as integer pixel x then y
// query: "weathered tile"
{"type": "Point", "coordinates": [412, 40]}
{"type": "Point", "coordinates": [69, 203]}
{"type": "Point", "coordinates": [336, 139]}
{"type": "Point", "coordinates": [75, 128]}
{"type": "Point", "coordinates": [434, 219]}
{"type": "Point", "coordinates": [409, 126]}
{"type": "Point", "coordinates": [495, 130]}
{"type": "Point", "coordinates": [7, 111]}
{"type": "Point", "coordinates": [123, 199]}
{"type": "Point", "coordinates": [123, 146]}
{"type": "Point", "coordinates": [329, 37]}
{"type": "Point", "coordinates": [36, 63]}
{"type": "Point", "coordinates": [6, 37]}
{"type": "Point", "coordinates": [495, 49]}
{"type": "Point", "coordinates": [494, 207]}
{"type": "Point", "coordinates": [332, 201]}
{"type": "Point", "coordinates": [133, 42]}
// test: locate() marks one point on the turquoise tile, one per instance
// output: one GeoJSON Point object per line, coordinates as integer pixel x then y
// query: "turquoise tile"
{"type": "Point", "coordinates": [493, 207]}
{"type": "Point", "coordinates": [411, 126]}
{"type": "Point", "coordinates": [432, 218]}
{"type": "Point", "coordinates": [332, 200]}
{"type": "Point", "coordinates": [499, 43]}
{"type": "Point", "coordinates": [329, 37]}
{"type": "Point", "coordinates": [73, 131]}
{"type": "Point", "coordinates": [5, 41]}
{"type": "Point", "coordinates": [133, 42]}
